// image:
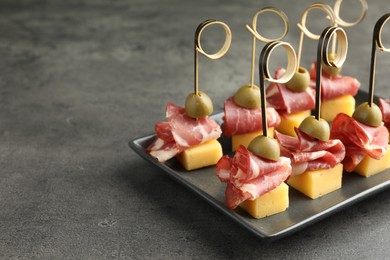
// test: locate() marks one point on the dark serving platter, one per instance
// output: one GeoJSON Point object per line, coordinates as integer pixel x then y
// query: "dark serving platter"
{"type": "Point", "coordinates": [302, 211]}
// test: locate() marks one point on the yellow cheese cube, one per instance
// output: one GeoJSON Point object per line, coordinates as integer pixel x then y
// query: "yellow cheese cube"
{"type": "Point", "coordinates": [201, 155]}
{"type": "Point", "coordinates": [344, 104]}
{"type": "Point", "coordinates": [272, 202]}
{"type": "Point", "coordinates": [245, 139]}
{"type": "Point", "coordinates": [293, 120]}
{"type": "Point", "coordinates": [369, 166]}
{"type": "Point", "coordinates": [316, 183]}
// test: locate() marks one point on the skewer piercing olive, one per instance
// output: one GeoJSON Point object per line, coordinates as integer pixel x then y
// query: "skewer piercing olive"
{"type": "Point", "coordinates": [365, 114]}
{"type": "Point", "coordinates": [265, 147]}
{"type": "Point", "coordinates": [330, 70]}
{"type": "Point", "coordinates": [318, 129]}
{"type": "Point", "coordinates": [248, 97]}
{"type": "Point", "coordinates": [198, 105]}
{"type": "Point", "coordinates": [299, 81]}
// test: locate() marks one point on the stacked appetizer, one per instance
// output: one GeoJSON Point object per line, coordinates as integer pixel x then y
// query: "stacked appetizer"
{"type": "Point", "coordinates": [190, 134]}
{"type": "Point", "coordinates": [316, 160]}
{"type": "Point", "coordinates": [293, 100]}
{"type": "Point", "coordinates": [255, 181]}
{"type": "Point", "coordinates": [255, 175]}
{"type": "Point", "coordinates": [192, 140]}
{"type": "Point", "coordinates": [337, 91]}
{"type": "Point", "coordinates": [365, 138]}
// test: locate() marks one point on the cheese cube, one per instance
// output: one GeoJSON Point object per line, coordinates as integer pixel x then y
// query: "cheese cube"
{"type": "Point", "coordinates": [245, 139]}
{"type": "Point", "coordinates": [293, 120]}
{"type": "Point", "coordinates": [369, 166]}
{"type": "Point", "coordinates": [330, 108]}
{"type": "Point", "coordinates": [317, 183]}
{"type": "Point", "coordinates": [201, 155]}
{"type": "Point", "coordinates": [272, 202]}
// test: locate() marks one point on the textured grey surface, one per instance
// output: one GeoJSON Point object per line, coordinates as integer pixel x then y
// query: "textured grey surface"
{"type": "Point", "coordinates": [79, 79]}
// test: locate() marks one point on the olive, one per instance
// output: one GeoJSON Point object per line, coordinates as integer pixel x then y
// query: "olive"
{"type": "Point", "coordinates": [365, 114]}
{"type": "Point", "coordinates": [248, 96]}
{"type": "Point", "coordinates": [318, 129]}
{"type": "Point", "coordinates": [198, 105]}
{"type": "Point", "coordinates": [299, 81]}
{"type": "Point", "coordinates": [265, 147]}
{"type": "Point", "coordinates": [330, 70]}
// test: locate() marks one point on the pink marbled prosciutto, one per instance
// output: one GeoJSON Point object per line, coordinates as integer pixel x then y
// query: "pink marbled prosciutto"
{"type": "Point", "coordinates": [248, 176]}
{"type": "Point", "coordinates": [287, 101]}
{"type": "Point", "coordinates": [240, 120]}
{"type": "Point", "coordinates": [336, 86]}
{"type": "Point", "coordinates": [359, 140]}
{"type": "Point", "coordinates": [307, 153]}
{"type": "Point", "coordinates": [181, 132]}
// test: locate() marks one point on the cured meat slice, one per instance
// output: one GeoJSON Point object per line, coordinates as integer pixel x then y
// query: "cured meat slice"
{"type": "Point", "coordinates": [286, 100]}
{"type": "Point", "coordinates": [385, 108]}
{"type": "Point", "coordinates": [180, 132]}
{"type": "Point", "coordinates": [248, 176]}
{"type": "Point", "coordinates": [164, 131]}
{"type": "Point", "coordinates": [163, 150]}
{"type": "Point", "coordinates": [359, 140]}
{"type": "Point", "coordinates": [240, 120]}
{"type": "Point", "coordinates": [307, 153]}
{"type": "Point", "coordinates": [334, 87]}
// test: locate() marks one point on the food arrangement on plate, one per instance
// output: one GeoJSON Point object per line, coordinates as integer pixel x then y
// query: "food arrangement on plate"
{"type": "Point", "coordinates": [302, 131]}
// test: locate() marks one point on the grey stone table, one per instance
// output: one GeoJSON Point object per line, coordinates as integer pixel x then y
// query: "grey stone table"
{"type": "Point", "coordinates": [79, 79]}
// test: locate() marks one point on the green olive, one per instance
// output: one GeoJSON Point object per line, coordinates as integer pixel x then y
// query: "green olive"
{"type": "Point", "coordinates": [365, 114]}
{"type": "Point", "coordinates": [318, 129]}
{"type": "Point", "coordinates": [300, 80]}
{"type": "Point", "coordinates": [330, 70]}
{"type": "Point", "coordinates": [248, 96]}
{"type": "Point", "coordinates": [265, 147]}
{"type": "Point", "coordinates": [198, 105]}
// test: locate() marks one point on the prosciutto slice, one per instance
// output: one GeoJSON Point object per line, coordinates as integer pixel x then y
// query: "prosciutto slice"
{"type": "Point", "coordinates": [249, 176]}
{"type": "Point", "coordinates": [307, 153]}
{"type": "Point", "coordinates": [334, 87]}
{"type": "Point", "coordinates": [240, 120]}
{"type": "Point", "coordinates": [359, 140]}
{"type": "Point", "coordinates": [181, 132]}
{"type": "Point", "coordinates": [385, 108]}
{"type": "Point", "coordinates": [285, 100]}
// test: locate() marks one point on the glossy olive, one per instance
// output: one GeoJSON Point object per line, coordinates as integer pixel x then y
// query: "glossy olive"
{"type": "Point", "coordinates": [265, 147]}
{"type": "Point", "coordinates": [300, 80]}
{"type": "Point", "coordinates": [318, 129]}
{"type": "Point", "coordinates": [198, 105]}
{"type": "Point", "coordinates": [331, 71]}
{"type": "Point", "coordinates": [365, 114]}
{"type": "Point", "coordinates": [248, 97]}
